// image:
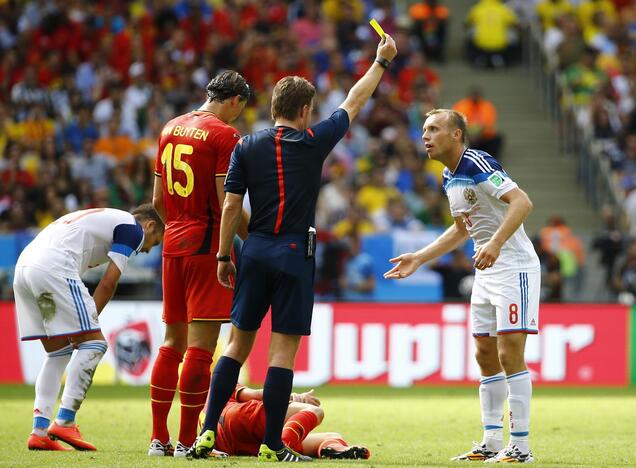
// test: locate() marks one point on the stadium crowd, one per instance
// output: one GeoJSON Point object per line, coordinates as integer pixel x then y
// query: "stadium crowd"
{"type": "Point", "coordinates": [591, 46]}
{"type": "Point", "coordinates": [86, 86]}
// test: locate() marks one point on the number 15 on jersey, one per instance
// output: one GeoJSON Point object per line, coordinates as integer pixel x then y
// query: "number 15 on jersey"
{"type": "Point", "coordinates": [171, 159]}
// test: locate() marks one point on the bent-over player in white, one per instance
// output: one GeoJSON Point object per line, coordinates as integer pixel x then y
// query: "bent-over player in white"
{"type": "Point", "coordinates": [54, 306]}
{"type": "Point", "coordinates": [490, 208]}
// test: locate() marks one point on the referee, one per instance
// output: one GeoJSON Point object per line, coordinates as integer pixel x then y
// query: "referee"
{"type": "Point", "coordinates": [281, 168]}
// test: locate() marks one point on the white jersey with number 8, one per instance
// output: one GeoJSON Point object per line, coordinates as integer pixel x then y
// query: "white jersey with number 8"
{"type": "Point", "coordinates": [505, 296]}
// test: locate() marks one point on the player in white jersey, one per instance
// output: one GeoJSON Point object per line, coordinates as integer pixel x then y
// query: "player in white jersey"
{"type": "Point", "coordinates": [490, 208]}
{"type": "Point", "coordinates": [54, 306]}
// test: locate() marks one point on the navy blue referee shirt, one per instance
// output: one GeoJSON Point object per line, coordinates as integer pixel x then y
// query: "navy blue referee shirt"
{"type": "Point", "coordinates": [280, 167]}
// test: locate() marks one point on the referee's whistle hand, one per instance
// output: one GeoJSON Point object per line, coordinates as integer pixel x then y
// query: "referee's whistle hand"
{"type": "Point", "coordinates": [226, 272]}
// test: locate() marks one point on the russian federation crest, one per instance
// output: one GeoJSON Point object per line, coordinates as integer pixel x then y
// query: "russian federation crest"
{"type": "Point", "coordinates": [470, 196]}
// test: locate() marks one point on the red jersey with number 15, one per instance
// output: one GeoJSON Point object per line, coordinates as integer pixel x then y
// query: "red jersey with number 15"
{"type": "Point", "coordinates": [194, 149]}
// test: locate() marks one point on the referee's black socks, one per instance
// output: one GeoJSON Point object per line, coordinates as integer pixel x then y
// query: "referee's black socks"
{"type": "Point", "coordinates": [224, 379]}
{"type": "Point", "coordinates": [276, 393]}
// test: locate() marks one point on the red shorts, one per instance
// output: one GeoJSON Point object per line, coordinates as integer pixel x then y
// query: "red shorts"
{"type": "Point", "coordinates": [241, 428]}
{"type": "Point", "coordinates": [191, 291]}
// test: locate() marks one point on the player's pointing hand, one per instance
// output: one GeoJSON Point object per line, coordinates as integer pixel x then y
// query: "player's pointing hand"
{"type": "Point", "coordinates": [406, 264]}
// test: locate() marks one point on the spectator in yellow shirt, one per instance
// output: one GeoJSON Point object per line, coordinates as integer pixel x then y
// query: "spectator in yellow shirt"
{"type": "Point", "coordinates": [35, 128]}
{"type": "Point", "coordinates": [491, 26]}
{"type": "Point", "coordinates": [374, 196]}
{"type": "Point", "coordinates": [549, 10]}
{"type": "Point", "coordinates": [586, 11]}
{"type": "Point", "coordinates": [356, 222]}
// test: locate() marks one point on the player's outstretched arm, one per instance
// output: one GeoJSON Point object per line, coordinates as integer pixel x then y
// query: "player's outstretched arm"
{"type": "Point", "coordinates": [406, 264]}
{"type": "Point", "coordinates": [363, 89]}
{"type": "Point", "coordinates": [106, 287]}
{"type": "Point", "coordinates": [519, 208]}
{"type": "Point", "coordinates": [230, 218]}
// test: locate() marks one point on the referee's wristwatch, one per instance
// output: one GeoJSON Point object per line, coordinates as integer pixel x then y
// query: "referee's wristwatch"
{"type": "Point", "coordinates": [223, 258]}
{"type": "Point", "coordinates": [384, 63]}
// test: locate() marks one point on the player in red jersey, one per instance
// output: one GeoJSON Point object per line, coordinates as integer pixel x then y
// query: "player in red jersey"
{"type": "Point", "coordinates": [242, 426]}
{"type": "Point", "coordinates": [192, 160]}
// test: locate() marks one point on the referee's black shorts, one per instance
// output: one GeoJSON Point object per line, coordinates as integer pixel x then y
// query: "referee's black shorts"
{"type": "Point", "coordinates": [273, 271]}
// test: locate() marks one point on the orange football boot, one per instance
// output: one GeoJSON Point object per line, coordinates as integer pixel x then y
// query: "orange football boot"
{"type": "Point", "coordinates": [71, 435]}
{"type": "Point", "coordinates": [36, 442]}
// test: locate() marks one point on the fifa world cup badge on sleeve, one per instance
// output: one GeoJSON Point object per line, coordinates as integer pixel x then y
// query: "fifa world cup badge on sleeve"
{"type": "Point", "coordinates": [496, 179]}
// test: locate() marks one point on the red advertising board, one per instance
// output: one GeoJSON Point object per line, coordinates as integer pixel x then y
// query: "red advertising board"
{"type": "Point", "coordinates": [406, 344]}
{"type": "Point", "coordinates": [11, 369]}
{"type": "Point", "coordinates": [410, 344]}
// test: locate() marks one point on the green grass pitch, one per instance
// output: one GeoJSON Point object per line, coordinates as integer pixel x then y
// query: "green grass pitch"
{"type": "Point", "coordinates": [402, 427]}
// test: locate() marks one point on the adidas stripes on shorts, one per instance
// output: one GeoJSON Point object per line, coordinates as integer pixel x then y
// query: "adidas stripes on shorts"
{"type": "Point", "coordinates": [506, 302]}
{"type": "Point", "coordinates": [48, 305]}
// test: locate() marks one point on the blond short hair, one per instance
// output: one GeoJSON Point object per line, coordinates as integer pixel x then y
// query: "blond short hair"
{"type": "Point", "coordinates": [456, 120]}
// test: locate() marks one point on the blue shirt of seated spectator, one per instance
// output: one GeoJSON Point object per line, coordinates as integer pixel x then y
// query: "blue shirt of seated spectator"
{"type": "Point", "coordinates": [358, 270]}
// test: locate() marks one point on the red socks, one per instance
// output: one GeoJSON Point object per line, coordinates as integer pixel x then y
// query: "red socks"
{"type": "Point", "coordinates": [193, 391]}
{"type": "Point", "coordinates": [163, 384]}
{"type": "Point", "coordinates": [297, 428]}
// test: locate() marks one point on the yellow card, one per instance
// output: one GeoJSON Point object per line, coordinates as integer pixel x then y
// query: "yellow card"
{"type": "Point", "coordinates": [377, 27]}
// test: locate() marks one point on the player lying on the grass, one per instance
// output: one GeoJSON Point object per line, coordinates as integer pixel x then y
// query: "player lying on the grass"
{"type": "Point", "coordinates": [242, 426]}
{"type": "Point", "coordinates": [54, 306]}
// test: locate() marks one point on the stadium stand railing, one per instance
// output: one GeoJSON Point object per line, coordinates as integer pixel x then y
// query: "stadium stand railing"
{"type": "Point", "coordinates": [593, 171]}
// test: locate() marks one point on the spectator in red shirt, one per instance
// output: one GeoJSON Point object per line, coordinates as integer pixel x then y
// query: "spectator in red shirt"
{"type": "Point", "coordinates": [417, 73]}
{"type": "Point", "coordinates": [308, 28]}
{"type": "Point", "coordinates": [13, 174]}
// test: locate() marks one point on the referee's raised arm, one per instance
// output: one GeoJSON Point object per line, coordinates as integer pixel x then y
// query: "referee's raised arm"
{"type": "Point", "coordinates": [363, 89]}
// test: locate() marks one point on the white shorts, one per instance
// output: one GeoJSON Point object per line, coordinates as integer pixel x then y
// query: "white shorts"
{"type": "Point", "coordinates": [506, 303]}
{"type": "Point", "coordinates": [49, 306]}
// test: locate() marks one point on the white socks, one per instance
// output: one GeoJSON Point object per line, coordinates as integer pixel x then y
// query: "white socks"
{"type": "Point", "coordinates": [47, 387]}
{"type": "Point", "coordinates": [520, 393]}
{"type": "Point", "coordinates": [492, 396]}
{"type": "Point", "coordinates": [79, 378]}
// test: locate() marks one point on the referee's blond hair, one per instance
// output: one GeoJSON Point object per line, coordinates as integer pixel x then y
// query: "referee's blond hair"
{"type": "Point", "coordinates": [454, 119]}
